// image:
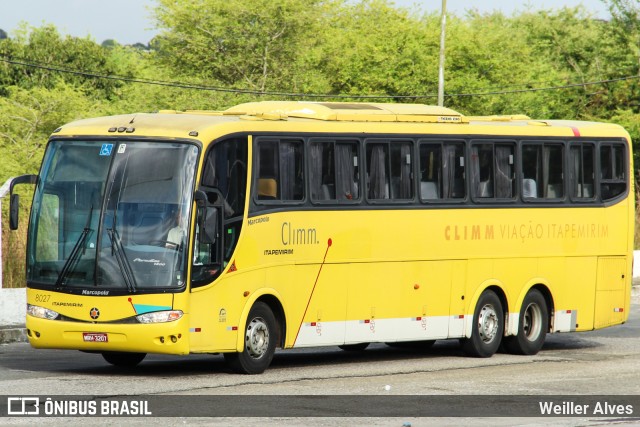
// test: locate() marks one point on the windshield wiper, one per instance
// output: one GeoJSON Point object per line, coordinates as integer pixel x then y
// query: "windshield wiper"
{"type": "Point", "coordinates": [73, 259]}
{"type": "Point", "coordinates": [123, 262]}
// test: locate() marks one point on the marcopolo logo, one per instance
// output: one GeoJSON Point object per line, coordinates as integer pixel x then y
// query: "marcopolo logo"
{"type": "Point", "coordinates": [23, 406]}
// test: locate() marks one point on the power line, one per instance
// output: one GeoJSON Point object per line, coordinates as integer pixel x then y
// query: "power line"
{"type": "Point", "coordinates": [539, 89]}
{"type": "Point", "coordinates": [182, 85]}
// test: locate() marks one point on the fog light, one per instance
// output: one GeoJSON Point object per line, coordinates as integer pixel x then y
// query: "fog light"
{"type": "Point", "coordinates": [174, 339]}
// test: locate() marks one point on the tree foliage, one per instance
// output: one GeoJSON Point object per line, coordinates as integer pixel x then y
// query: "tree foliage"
{"type": "Point", "coordinates": [253, 45]}
{"type": "Point", "coordinates": [45, 46]}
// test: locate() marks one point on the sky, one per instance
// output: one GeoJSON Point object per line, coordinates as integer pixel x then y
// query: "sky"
{"type": "Point", "coordinates": [129, 21]}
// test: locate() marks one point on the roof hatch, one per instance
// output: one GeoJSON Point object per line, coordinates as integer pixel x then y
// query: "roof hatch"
{"type": "Point", "coordinates": [345, 111]}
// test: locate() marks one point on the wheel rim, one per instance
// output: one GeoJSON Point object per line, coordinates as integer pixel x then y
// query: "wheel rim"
{"type": "Point", "coordinates": [488, 323]}
{"type": "Point", "coordinates": [257, 338]}
{"type": "Point", "coordinates": [532, 322]}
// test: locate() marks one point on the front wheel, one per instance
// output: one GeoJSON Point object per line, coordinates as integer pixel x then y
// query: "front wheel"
{"type": "Point", "coordinates": [123, 360]}
{"type": "Point", "coordinates": [260, 337]}
{"type": "Point", "coordinates": [532, 326]}
{"type": "Point", "coordinates": [488, 327]}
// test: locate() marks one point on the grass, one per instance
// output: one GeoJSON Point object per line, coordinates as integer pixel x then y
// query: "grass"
{"type": "Point", "coordinates": [13, 254]}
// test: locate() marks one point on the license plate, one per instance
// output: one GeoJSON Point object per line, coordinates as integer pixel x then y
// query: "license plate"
{"type": "Point", "coordinates": [94, 337]}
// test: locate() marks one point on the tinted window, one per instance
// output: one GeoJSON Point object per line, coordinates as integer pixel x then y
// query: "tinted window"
{"type": "Point", "coordinates": [542, 171]}
{"type": "Point", "coordinates": [280, 170]}
{"type": "Point", "coordinates": [334, 170]}
{"type": "Point", "coordinates": [442, 171]}
{"type": "Point", "coordinates": [581, 166]}
{"type": "Point", "coordinates": [612, 170]}
{"type": "Point", "coordinates": [389, 170]}
{"type": "Point", "coordinates": [493, 170]}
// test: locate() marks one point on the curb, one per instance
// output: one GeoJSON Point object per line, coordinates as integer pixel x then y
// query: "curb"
{"type": "Point", "coordinates": [9, 334]}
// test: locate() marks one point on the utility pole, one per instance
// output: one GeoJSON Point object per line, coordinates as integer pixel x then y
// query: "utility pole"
{"type": "Point", "coordinates": [443, 23]}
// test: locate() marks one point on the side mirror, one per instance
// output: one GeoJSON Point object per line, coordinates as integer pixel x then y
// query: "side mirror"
{"type": "Point", "coordinates": [14, 209]}
{"type": "Point", "coordinates": [14, 203]}
{"type": "Point", "coordinates": [209, 226]}
{"type": "Point", "coordinates": [200, 197]}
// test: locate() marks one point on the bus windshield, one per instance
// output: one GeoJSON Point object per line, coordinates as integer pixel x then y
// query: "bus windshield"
{"type": "Point", "coordinates": [111, 215]}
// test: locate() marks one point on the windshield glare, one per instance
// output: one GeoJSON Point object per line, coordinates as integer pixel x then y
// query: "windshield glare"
{"type": "Point", "coordinates": [112, 215]}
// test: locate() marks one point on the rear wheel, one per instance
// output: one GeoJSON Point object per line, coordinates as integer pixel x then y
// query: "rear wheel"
{"type": "Point", "coordinates": [532, 326]}
{"type": "Point", "coordinates": [124, 360]}
{"type": "Point", "coordinates": [260, 337]}
{"type": "Point", "coordinates": [488, 327]}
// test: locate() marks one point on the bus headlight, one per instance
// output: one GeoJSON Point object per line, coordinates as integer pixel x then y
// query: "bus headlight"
{"type": "Point", "coordinates": [41, 312]}
{"type": "Point", "coordinates": [160, 316]}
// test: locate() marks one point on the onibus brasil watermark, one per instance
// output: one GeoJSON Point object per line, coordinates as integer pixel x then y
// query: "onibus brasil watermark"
{"type": "Point", "coordinates": [36, 406]}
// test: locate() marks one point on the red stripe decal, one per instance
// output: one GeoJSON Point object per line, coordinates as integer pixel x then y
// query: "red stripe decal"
{"type": "Point", "coordinates": [329, 243]}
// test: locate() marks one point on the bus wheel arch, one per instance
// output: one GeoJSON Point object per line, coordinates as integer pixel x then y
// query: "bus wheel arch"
{"type": "Point", "coordinates": [534, 319]}
{"type": "Point", "coordinates": [278, 311]}
{"type": "Point", "coordinates": [263, 329]}
{"type": "Point", "coordinates": [259, 336]}
{"type": "Point", "coordinates": [487, 324]}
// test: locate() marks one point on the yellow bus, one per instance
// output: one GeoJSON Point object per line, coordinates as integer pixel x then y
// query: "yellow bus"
{"type": "Point", "coordinates": [303, 224]}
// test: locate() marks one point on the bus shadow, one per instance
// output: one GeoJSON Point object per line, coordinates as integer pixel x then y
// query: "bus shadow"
{"type": "Point", "coordinates": [206, 364]}
{"type": "Point", "coordinates": [560, 342]}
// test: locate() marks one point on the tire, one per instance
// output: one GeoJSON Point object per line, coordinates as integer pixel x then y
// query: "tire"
{"type": "Point", "coordinates": [354, 347]}
{"type": "Point", "coordinates": [414, 345]}
{"type": "Point", "coordinates": [260, 335]}
{"type": "Point", "coordinates": [123, 360]}
{"type": "Point", "coordinates": [532, 326]}
{"type": "Point", "coordinates": [488, 327]}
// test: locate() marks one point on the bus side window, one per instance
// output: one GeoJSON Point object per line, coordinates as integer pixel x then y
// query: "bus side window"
{"type": "Point", "coordinates": [280, 170]}
{"type": "Point", "coordinates": [542, 171]}
{"type": "Point", "coordinates": [612, 170]}
{"type": "Point", "coordinates": [493, 170]}
{"type": "Point", "coordinates": [401, 171]}
{"type": "Point", "coordinates": [204, 268]}
{"type": "Point", "coordinates": [378, 171]}
{"type": "Point", "coordinates": [430, 171]}
{"type": "Point", "coordinates": [442, 172]}
{"type": "Point", "coordinates": [390, 170]}
{"type": "Point", "coordinates": [333, 170]}
{"type": "Point", "coordinates": [582, 166]}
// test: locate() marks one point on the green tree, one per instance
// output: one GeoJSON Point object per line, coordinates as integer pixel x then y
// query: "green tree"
{"type": "Point", "coordinates": [374, 48]}
{"type": "Point", "coordinates": [253, 45]}
{"type": "Point", "coordinates": [47, 52]}
{"type": "Point", "coordinates": [29, 117]}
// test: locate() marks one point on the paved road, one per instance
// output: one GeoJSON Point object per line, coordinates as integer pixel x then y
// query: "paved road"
{"type": "Point", "coordinates": [604, 362]}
